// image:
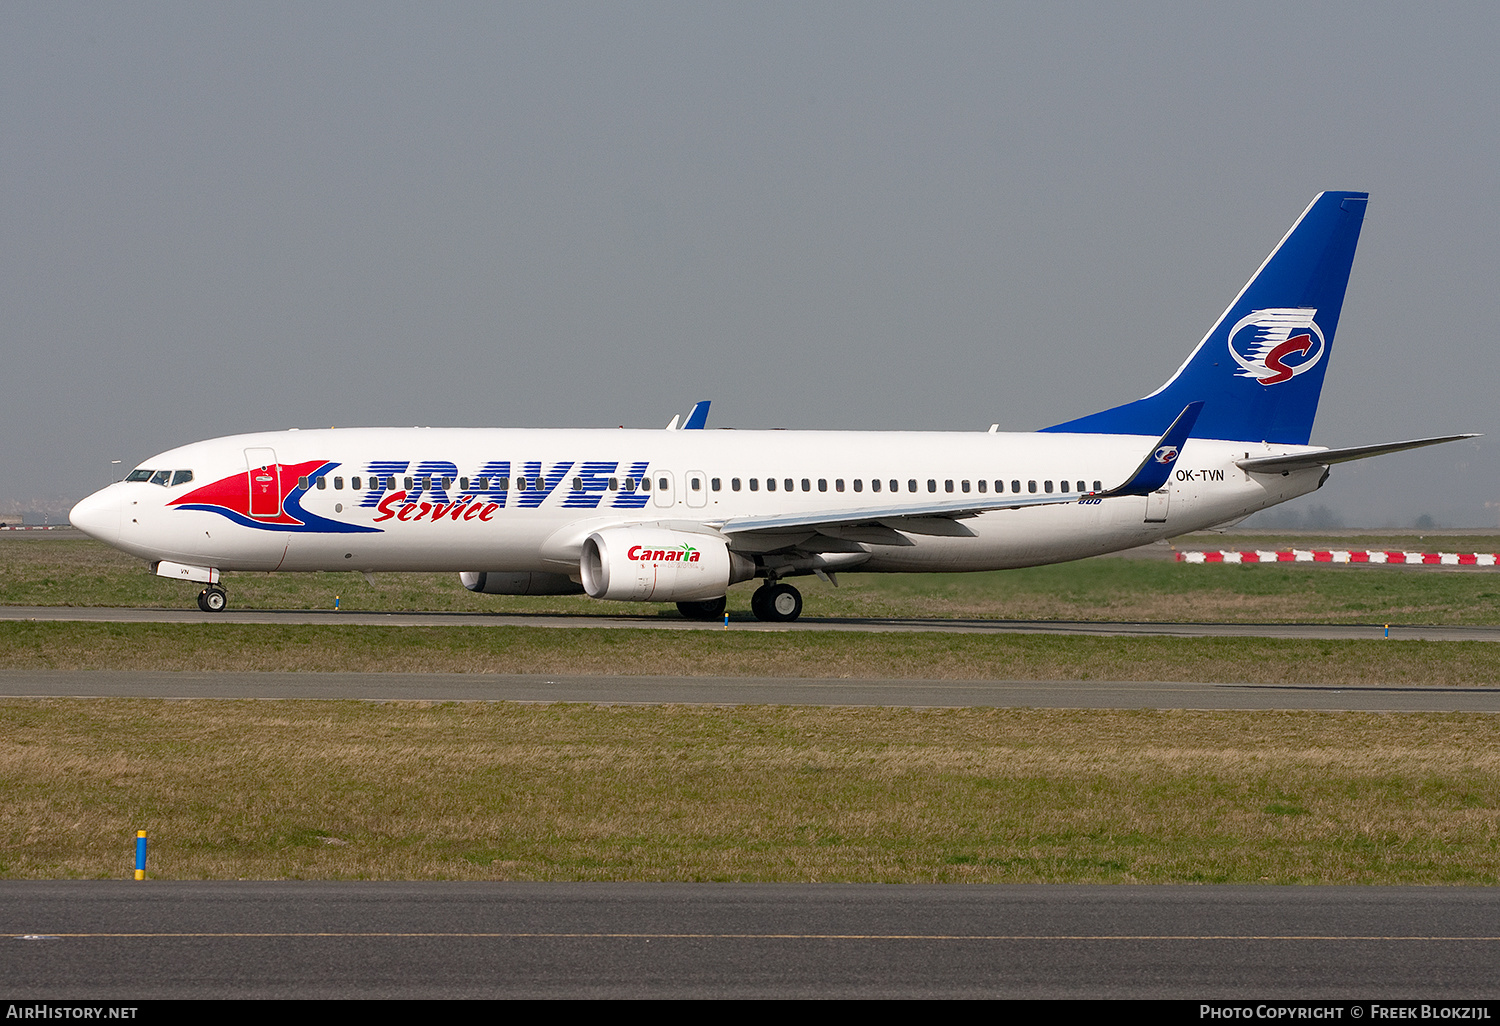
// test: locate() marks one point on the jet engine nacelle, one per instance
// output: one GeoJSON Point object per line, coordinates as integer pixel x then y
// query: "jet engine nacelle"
{"type": "Point", "coordinates": [496, 583]}
{"type": "Point", "coordinates": [658, 564]}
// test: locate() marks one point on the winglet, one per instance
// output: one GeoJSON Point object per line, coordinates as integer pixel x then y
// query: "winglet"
{"type": "Point", "coordinates": [672, 425]}
{"type": "Point", "coordinates": [698, 418]}
{"type": "Point", "coordinates": [1156, 468]}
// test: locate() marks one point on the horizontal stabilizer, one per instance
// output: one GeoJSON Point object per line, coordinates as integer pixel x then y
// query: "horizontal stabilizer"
{"type": "Point", "coordinates": [1328, 457]}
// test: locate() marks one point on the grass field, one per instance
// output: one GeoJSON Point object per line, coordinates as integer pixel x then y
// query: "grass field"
{"type": "Point", "coordinates": [215, 647]}
{"type": "Point", "coordinates": [349, 790]}
{"type": "Point", "coordinates": [86, 573]}
{"type": "Point", "coordinates": [352, 790]}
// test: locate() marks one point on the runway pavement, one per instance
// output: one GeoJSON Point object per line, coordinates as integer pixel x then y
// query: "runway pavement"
{"type": "Point", "coordinates": [958, 626]}
{"type": "Point", "coordinates": [461, 687]}
{"type": "Point", "coordinates": [122, 939]}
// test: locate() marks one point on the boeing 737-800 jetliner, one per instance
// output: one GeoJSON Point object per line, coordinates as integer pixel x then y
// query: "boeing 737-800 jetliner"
{"type": "Point", "coordinates": [680, 515]}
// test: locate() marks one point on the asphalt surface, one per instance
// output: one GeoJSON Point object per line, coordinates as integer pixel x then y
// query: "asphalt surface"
{"type": "Point", "coordinates": [121, 939]}
{"type": "Point", "coordinates": [459, 687]}
{"type": "Point", "coordinates": [865, 624]}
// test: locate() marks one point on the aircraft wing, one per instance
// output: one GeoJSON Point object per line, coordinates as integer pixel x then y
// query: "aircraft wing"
{"type": "Point", "coordinates": [1328, 457]}
{"type": "Point", "coordinates": [1154, 470]}
{"type": "Point", "coordinates": [951, 510]}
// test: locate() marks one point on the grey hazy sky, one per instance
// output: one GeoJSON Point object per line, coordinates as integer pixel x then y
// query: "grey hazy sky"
{"type": "Point", "coordinates": [220, 218]}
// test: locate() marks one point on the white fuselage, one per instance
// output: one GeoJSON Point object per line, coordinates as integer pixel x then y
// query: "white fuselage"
{"type": "Point", "coordinates": [698, 480]}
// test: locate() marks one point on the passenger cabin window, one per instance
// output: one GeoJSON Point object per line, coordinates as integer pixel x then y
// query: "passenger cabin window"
{"type": "Point", "coordinates": [964, 486]}
{"type": "Point", "coordinates": [695, 483]}
{"type": "Point", "coordinates": [859, 484]}
{"type": "Point", "coordinates": [948, 486]}
{"type": "Point", "coordinates": [874, 485]}
{"type": "Point", "coordinates": [1015, 486]}
{"type": "Point", "coordinates": [1047, 487]}
{"type": "Point", "coordinates": [896, 486]}
{"type": "Point", "coordinates": [354, 483]}
{"type": "Point", "coordinates": [755, 484]}
{"type": "Point", "coordinates": [1098, 487]}
{"type": "Point", "coordinates": [789, 486]}
{"type": "Point", "coordinates": [338, 484]}
{"type": "Point", "coordinates": [578, 484]}
{"type": "Point", "coordinates": [807, 485]}
{"type": "Point", "coordinates": [770, 484]}
{"type": "Point", "coordinates": [734, 484]}
{"type": "Point", "coordinates": [932, 485]}
{"type": "Point", "coordinates": [714, 484]}
{"type": "Point", "coordinates": [408, 483]}
{"type": "Point", "coordinates": [661, 484]}
{"type": "Point", "coordinates": [463, 484]}
{"type": "Point", "coordinates": [302, 482]}
{"type": "Point", "coordinates": [614, 484]}
{"type": "Point", "coordinates": [838, 484]}
{"type": "Point", "coordinates": [322, 483]}
{"type": "Point", "coordinates": [1031, 486]}
{"type": "Point", "coordinates": [982, 485]}
{"type": "Point", "coordinates": [911, 485]}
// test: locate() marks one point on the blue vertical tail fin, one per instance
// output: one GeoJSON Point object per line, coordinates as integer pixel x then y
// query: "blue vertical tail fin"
{"type": "Point", "coordinates": [1259, 370]}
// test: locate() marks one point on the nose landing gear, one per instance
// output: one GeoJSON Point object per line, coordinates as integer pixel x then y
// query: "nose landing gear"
{"type": "Point", "coordinates": [212, 599]}
{"type": "Point", "coordinates": [776, 603]}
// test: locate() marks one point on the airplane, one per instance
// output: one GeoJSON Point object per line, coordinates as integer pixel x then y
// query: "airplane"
{"type": "Point", "coordinates": [680, 515]}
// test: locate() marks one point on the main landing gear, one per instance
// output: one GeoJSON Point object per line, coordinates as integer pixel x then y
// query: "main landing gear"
{"type": "Point", "coordinates": [776, 603]}
{"type": "Point", "coordinates": [212, 599]}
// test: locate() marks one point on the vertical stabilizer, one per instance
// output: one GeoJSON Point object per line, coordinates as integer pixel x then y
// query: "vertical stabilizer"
{"type": "Point", "coordinates": [1259, 370]}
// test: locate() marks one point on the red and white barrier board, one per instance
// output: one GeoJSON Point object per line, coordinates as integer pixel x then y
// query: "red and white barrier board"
{"type": "Point", "coordinates": [1389, 556]}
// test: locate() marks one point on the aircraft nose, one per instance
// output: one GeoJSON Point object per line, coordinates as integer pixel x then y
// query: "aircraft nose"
{"type": "Point", "coordinates": [98, 516]}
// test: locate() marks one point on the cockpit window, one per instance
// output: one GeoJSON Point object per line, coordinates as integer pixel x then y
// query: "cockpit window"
{"type": "Point", "coordinates": [165, 478]}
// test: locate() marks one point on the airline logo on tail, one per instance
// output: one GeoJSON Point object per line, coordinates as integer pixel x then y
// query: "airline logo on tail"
{"type": "Point", "coordinates": [1276, 345]}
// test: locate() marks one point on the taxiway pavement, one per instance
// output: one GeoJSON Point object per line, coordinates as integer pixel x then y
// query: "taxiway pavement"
{"type": "Point", "coordinates": [180, 939]}
{"type": "Point", "coordinates": [1113, 628]}
{"type": "Point", "coordinates": [621, 690]}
